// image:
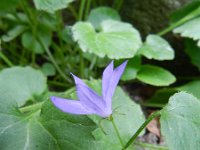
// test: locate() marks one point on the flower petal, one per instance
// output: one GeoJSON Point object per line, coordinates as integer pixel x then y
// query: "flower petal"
{"type": "Point", "coordinates": [114, 79]}
{"type": "Point", "coordinates": [107, 74]}
{"type": "Point", "coordinates": [70, 106]}
{"type": "Point", "coordinates": [87, 96]}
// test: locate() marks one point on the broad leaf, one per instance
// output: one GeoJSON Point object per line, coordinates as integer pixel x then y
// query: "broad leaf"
{"type": "Point", "coordinates": [190, 29]}
{"type": "Point", "coordinates": [51, 5]}
{"type": "Point", "coordinates": [193, 52]}
{"type": "Point", "coordinates": [24, 83]}
{"type": "Point", "coordinates": [155, 76]}
{"type": "Point", "coordinates": [180, 122]}
{"type": "Point", "coordinates": [116, 40]}
{"type": "Point", "coordinates": [100, 14]}
{"type": "Point", "coordinates": [157, 48]}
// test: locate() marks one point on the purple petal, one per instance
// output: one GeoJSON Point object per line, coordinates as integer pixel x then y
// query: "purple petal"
{"type": "Point", "coordinates": [70, 106]}
{"type": "Point", "coordinates": [87, 96]}
{"type": "Point", "coordinates": [107, 74]}
{"type": "Point", "coordinates": [112, 84]}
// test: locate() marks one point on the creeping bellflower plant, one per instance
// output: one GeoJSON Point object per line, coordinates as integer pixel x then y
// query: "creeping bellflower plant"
{"type": "Point", "coordinates": [89, 101]}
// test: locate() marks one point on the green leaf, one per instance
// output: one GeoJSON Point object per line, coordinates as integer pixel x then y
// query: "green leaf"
{"type": "Point", "coordinates": [13, 33]}
{"type": "Point", "coordinates": [132, 68]}
{"type": "Point", "coordinates": [23, 83]}
{"type": "Point", "coordinates": [100, 14]}
{"type": "Point", "coordinates": [157, 48]}
{"type": "Point", "coordinates": [48, 69]}
{"type": "Point", "coordinates": [180, 121]}
{"type": "Point", "coordinates": [30, 42]}
{"type": "Point", "coordinates": [191, 87]}
{"type": "Point", "coordinates": [51, 5]}
{"type": "Point", "coordinates": [193, 52]}
{"type": "Point", "coordinates": [156, 76]}
{"type": "Point", "coordinates": [9, 5]}
{"type": "Point", "coordinates": [190, 29]}
{"type": "Point", "coordinates": [127, 115]}
{"type": "Point", "coordinates": [116, 40]}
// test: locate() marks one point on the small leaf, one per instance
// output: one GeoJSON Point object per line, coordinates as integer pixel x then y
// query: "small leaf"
{"type": "Point", "coordinates": [116, 40]}
{"type": "Point", "coordinates": [13, 33]}
{"type": "Point", "coordinates": [193, 52]}
{"type": "Point", "coordinates": [100, 14]}
{"type": "Point", "coordinates": [180, 121]}
{"type": "Point", "coordinates": [157, 48]}
{"type": "Point", "coordinates": [190, 29]}
{"type": "Point", "coordinates": [24, 83]}
{"type": "Point", "coordinates": [191, 87]}
{"type": "Point", "coordinates": [51, 5]}
{"type": "Point", "coordinates": [48, 69]}
{"type": "Point", "coordinates": [132, 68]}
{"type": "Point", "coordinates": [156, 76]}
{"type": "Point", "coordinates": [30, 42]}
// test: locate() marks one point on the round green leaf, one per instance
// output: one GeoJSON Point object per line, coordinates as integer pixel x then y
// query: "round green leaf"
{"type": "Point", "coordinates": [116, 40]}
{"type": "Point", "coordinates": [157, 48]}
{"type": "Point", "coordinates": [24, 83]}
{"type": "Point", "coordinates": [155, 76]}
{"type": "Point", "coordinates": [180, 122]}
{"type": "Point", "coordinates": [48, 69]}
{"type": "Point", "coordinates": [100, 14]}
{"type": "Point", "coordinates": [51, 5]}
{"type": "Point", "coordinates": [30, 42]}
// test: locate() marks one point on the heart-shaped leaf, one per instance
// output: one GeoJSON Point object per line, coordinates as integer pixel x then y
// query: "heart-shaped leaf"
{"type": "Point", "coordinates": [116, 39]}
{"type": "Point", "coordinates": [180, 122]}
{"type": "Point", "coordinates": [24, 83]}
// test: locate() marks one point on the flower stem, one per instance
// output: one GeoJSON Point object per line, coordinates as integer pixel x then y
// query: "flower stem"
{"type": "Point", "coordinates": [116, 130]}
{"type": "Point", "coordinates": [149, 119]}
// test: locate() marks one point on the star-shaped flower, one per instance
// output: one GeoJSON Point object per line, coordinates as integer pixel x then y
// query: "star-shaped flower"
{"type": "Point", "coordinates": [89, 101]}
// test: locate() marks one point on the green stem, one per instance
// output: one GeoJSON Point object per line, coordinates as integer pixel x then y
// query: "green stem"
{"type": "Point", "coordinates": [73, 11]}
{"type": "Point", "coordinates": [151, 146]}
{"type": "Point", "coordinates": [116, 130]}
{"type": "Point", "coordinates": [6, 60]}
{"type": "Point", "coordinates": [80, 14]}
{"type": "Point", "coordinates": [31, 107]}
{"type": "Point", "coordinates": [87, 8]}
{"type": "Point", "coordinates": [53, 61]}
{"type": "Point", "coordinates": [192, 15]}
{"type": "Point", "coordinates": [149, 119]}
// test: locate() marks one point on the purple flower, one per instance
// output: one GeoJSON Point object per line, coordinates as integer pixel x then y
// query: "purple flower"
{"type": "Point", "coordinates": [89, 101]}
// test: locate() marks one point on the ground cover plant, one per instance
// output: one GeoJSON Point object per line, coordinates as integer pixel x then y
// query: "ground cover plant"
{"type": "Point", "coordinates": [61, 62]}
